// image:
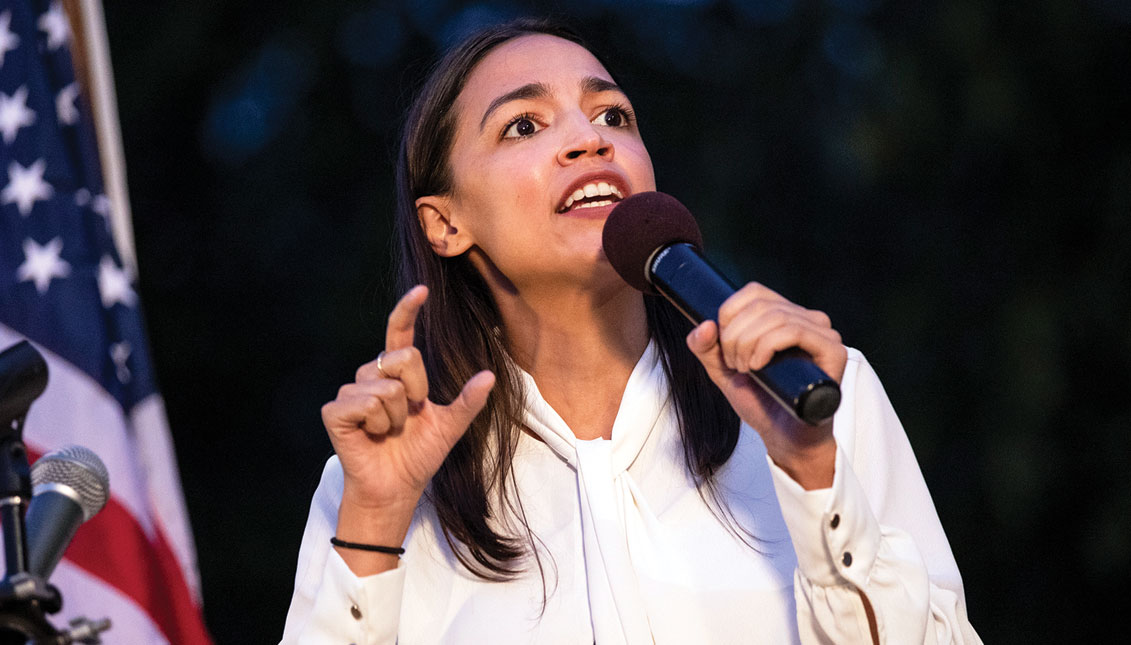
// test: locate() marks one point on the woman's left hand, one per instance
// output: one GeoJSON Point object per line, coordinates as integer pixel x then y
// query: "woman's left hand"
{"type": "Point", "coordinates": [754, 324]}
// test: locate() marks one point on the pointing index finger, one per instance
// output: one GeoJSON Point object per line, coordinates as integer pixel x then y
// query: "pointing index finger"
{"type": "Point", "coordinates": [402, 320]}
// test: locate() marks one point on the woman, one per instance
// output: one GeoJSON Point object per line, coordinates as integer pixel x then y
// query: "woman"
{"type": "Point", "coordinates": [601, 474]}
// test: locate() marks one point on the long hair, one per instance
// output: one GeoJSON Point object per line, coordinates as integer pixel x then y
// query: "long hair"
{"type": "Point", "coordinates": [459, 335]}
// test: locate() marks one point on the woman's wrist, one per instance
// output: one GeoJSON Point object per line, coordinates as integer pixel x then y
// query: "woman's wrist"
{"type": "Point", "coordinates": [374, 522]}
{"type": "Point", "coordinates": [812, 467]}
{"type": "Point", "coordinates": [366, 521]}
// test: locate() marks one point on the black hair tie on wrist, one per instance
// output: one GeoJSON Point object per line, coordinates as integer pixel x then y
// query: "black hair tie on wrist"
{"type": "Point", "coordinates": [391, 550]}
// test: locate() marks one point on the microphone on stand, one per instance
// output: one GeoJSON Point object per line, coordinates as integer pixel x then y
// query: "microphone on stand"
{"type": "Point", "coordinates": [66, 488]}
{"type": "Point", "coordinates": [23, 377]}
{"type": "Point", "coordinates": [653, 242]}
{"type": "Point", "coordinates": [69, 486]}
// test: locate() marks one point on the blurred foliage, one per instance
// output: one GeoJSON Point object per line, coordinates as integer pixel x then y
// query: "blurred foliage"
{"type": "Point", "coordinates": [950, 180]}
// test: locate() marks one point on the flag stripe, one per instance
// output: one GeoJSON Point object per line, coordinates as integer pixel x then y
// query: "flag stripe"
{"type": "Point", "coordinates": [102, 599]}
{"type": "Point", "coordinates": [154, 445]}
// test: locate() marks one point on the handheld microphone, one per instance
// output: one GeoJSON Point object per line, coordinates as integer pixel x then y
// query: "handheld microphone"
{"type": "Point", "coordinates": [653, 242]}
{"type": "Point", "coordinates": [70, 485]}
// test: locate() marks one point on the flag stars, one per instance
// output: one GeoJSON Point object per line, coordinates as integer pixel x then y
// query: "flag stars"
{"type": "Point", "coordinates": [54, 24]}
{"type": "Point", "coordinates": [43, 264]}
{"type": "Point", "coordinates": [114, 284]}
{"type": "Point", "coordinates": [8, 40]}
{"type": "Point", "coordinates": [101, 204]}
{"type": "Point", "coordinates": [120, 354]}
{"type": "Point", "coordinates": [14, 114]}
{"type": "Point", "coordinates": [26, 186]}
{"type": "Point", "coordinates": [65, 108]}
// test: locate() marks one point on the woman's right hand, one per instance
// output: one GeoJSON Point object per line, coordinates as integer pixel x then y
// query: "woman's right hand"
{"type": "Point", "coordinates": [390, 438]}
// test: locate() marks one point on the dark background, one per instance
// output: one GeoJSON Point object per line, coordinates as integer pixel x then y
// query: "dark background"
{"type": "Point", "coordinates": [950, 180]}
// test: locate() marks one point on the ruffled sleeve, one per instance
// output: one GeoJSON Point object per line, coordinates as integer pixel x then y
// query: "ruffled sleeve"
{"type": "Point", "coordinates": [330, 604]}
{"type": "Point", "coordinates": [875, 532]}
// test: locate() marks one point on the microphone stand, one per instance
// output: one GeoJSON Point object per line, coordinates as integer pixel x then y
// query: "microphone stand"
{"type": "Point", "coordinates": [26, 598]}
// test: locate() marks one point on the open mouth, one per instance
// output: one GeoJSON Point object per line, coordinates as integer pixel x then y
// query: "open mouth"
{"type": "Point", "coordinates": [593, 194]}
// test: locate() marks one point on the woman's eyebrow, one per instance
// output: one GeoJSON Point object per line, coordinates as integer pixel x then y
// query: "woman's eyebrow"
{"type": "Point", "coordinates": [589, 85]}
{"type": "Point", "coordinates": [528, 91]}
{"type": "Point", "coordinates": [594, 85]}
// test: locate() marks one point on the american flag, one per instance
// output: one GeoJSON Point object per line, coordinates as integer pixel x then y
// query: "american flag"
{"type": "Point", "coordinates": [63, 286]}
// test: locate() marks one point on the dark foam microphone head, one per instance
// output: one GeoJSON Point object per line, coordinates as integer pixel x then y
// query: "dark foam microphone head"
{"type": "Point", "coordinates": [641, 224]}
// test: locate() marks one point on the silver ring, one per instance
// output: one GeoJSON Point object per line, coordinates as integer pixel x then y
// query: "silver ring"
{"type": "Point", "coordinates": [379, 368]}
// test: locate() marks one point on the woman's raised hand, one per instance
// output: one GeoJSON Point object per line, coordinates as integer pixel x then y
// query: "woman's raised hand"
{"type": "Point", "coordinates": [390, 438]}
{"type": "Point", "coordinates": [755, 323]}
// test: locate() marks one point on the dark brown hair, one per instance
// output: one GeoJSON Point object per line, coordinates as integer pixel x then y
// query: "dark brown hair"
{"type": "Point", "coordinates": [459, 334]}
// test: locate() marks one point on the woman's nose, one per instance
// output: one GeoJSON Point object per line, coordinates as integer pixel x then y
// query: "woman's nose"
{"type": "Point", "coordinates": [585, 140]}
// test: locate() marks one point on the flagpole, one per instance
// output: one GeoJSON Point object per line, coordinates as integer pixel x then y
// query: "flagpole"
{"type": "Point", "coordinates": [104, 109]}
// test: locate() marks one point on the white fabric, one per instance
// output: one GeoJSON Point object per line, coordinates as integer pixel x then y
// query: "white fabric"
{"type": "Point", "coordinates": [631, 553]}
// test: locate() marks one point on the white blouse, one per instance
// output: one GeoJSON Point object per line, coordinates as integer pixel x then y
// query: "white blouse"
{"type": "Point", "coordinates": [631, 553]}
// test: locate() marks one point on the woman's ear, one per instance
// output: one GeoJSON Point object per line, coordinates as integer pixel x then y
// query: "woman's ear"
{"type": "Point", "coordinates": [435, 215]}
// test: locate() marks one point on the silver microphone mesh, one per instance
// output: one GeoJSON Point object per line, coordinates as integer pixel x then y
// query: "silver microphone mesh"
{"type": "Point", "coordinates": [81, 470]}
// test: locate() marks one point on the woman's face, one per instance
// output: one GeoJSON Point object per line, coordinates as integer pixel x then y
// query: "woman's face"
{"type": "Point", "coordinates": [545, 145]}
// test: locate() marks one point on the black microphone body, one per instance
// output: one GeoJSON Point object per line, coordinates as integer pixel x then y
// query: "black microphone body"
{"type": "Point", "coordinates": [23, 377]}
{"type": "Point", "coordinates": [653, 242]}
{"type": "Point", "coordinates": [683, 276]}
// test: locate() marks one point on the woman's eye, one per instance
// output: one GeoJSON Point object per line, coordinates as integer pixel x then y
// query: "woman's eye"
{"type": "Point", "coordinates": [523, 126]}
{"type": "Point", "coordinates": [613, 117]}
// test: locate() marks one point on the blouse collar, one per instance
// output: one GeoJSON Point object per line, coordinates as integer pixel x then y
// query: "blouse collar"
{"type": "Point", "coordinates": [644, 400]}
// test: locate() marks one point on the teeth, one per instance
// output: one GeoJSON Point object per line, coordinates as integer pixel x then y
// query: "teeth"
{"type": "Point", "coordinates": [593, 190]}
{"type": "Point", "coordinates": [603, 202]}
